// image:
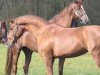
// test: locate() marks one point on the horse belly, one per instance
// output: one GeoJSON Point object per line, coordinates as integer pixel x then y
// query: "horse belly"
{"type": "Point", "coordinates": [69, 54]}
{"type": "Point", "coordinates": [66, 49]}
{"type": "Point", "coordinates": [77, 53]}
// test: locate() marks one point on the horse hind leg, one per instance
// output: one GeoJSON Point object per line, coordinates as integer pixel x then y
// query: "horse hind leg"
{"type": "Point", "coordinates": [28, 55]}
{"type": "Point", "coordinates": [96, 56]}
{"type": "Point", "coordinates": [61, 65]}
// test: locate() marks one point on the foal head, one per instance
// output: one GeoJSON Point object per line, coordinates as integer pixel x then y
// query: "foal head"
{"type": "Point", "coordinates": [76, 9]}
{"type": "Point", "coordinates": [14, 31]}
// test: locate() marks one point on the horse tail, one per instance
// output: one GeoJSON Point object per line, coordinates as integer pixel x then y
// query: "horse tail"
{"type": "Point", "coordinates": [8, 62]}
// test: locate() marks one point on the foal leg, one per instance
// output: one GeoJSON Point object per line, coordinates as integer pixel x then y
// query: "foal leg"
{"type": "Point", "coordinates": [96, 56]}
{"type": "Point", "coordinates": [28, 55]}
{"type": "Point", "coordinates": [61, 64]}
{"type": "Point", "coordinates": [15, 54]}
{"type": "Point", "coordinates": [49, 60]}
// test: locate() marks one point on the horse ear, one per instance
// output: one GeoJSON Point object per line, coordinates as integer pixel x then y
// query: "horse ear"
{"type": "Point", "coordinates": [78, 1]}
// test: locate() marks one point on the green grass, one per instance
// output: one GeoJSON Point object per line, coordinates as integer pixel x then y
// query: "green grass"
{"type": "Point", "coordinates": [83, 65]}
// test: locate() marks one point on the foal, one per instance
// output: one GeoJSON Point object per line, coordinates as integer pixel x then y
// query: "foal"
{"type": "Point", "coordinates": [56, 42]}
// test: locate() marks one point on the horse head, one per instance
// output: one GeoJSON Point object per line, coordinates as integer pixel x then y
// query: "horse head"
{"type": "Point", "coordinates": [78, 11]}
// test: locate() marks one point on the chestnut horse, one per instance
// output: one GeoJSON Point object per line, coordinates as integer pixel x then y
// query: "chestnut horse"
{"type": "Point", "coordinates": [29, 19]}
{"type": "Point", "coordinates": [53, 42]}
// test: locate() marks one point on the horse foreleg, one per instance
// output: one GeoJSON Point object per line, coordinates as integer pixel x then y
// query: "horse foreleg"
{"type": "Point", "coordinates": [28, 55]}
{"type": "Point", "coordinates": [49, 60]}
{"type": "Point", "coordinates": [96, 56]}
{"type": "Point", "coordinates": [15, 53]}
{"type": "Point", "coordinates": [61, 64]}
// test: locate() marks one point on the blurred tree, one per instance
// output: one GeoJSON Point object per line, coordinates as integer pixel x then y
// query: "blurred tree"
{"type": "Point", "coordinates": [45, 8]}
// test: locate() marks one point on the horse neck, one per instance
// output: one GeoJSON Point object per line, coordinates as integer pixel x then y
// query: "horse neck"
{"type": "Point", "coordinates": [40, 23]}
{"type": "Point", "coordinates": [65, 17]}
{"type": "Point", "coordinates": [31, 19]}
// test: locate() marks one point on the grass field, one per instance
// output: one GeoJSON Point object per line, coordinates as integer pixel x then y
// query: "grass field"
{"type": "Point", "coordinates": [83, 65]}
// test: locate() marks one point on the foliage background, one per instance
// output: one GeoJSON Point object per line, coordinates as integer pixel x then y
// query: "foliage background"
{"type": "Point", "coordinates": [45, 8]}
